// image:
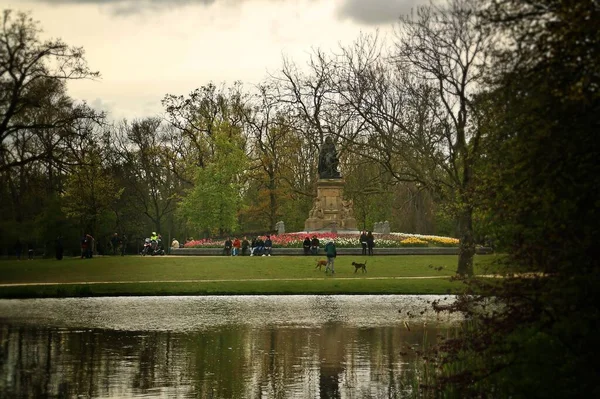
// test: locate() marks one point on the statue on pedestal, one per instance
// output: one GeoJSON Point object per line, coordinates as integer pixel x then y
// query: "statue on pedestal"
{"type": "Point", "coordinates": [328, 160]}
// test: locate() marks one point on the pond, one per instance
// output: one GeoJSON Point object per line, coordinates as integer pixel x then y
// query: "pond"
{"type": "Point", "coordinates": [214, 347]}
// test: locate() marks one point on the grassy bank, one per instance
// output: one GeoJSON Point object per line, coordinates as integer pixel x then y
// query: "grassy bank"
{"type": "Point", "coordinates": [135, 275]}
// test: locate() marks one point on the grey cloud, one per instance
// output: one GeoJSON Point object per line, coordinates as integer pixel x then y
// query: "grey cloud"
{"type": "Point", "coordinates": [375, 12]}
{"type": "Point", "coordinates": [127, 7]}
{"type": "Point", "coordinates": [367, 12]}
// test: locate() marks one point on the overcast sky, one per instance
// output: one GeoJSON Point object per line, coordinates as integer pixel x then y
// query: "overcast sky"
{"type": "Point", "coordinates": [145, 49]}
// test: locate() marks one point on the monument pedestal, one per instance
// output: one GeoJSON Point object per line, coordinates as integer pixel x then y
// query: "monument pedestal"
{"type": "Point", "coordinates": [330, 211]}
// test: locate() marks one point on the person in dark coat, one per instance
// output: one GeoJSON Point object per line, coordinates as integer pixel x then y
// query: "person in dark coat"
{"type": "Point", "coordinates": [245, 245]}
{"type": "Point", "coordinates": [331, 253]}
{"type": "Point", "coordinates": [18, 249]}
{"type": "Point", "coordinates": [370, 243]}
{"type": "Point", "coordinates": [363, 242]}
{"type": "Point", "coordinates": [228, 245]}
{"type": "Point", "coordinates": [306, 246]}
{"type": "Point", "coordinates": [268, 246]}
{"type": "Point", "coordinates": [58, 248]}
{"type": "Point", "coordinates": [314, 245]}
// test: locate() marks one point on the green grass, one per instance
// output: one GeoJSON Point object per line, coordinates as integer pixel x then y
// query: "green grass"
{"type": "Point", "coordinates": [135, 275]}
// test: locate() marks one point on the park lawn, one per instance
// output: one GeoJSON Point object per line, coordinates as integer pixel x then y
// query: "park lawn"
{"type": "Point", "coordinates": [166, 275]}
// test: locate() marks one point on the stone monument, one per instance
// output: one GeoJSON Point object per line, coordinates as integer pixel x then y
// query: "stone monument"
{"type": "Point", "coordinates": [330, 211]}
{"type": "Point", "coordinates": [280, 227]}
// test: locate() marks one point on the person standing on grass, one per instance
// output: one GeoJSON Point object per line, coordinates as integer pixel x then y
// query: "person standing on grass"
{"type": "Point", "coordinates": [331, 253]}
{"type": "Point", "coordinates": [58, 247]}
{"type": "Point", "coordinates": [363, 242]}
{"type": "Point", "coordinates": [30, 250]}
{"type": "Point", "coordinates": [89, 253]}
{"type": "Point", "coordinates": [114, 242]}
{"type": "Point", "coordinates": [18, 249]}
{"type": "Point", "coordinates": [84, 245]}
{"type": "Point", "coordinates": [123, 244]}
{"type": "Point", "coordinates": [370, 242]}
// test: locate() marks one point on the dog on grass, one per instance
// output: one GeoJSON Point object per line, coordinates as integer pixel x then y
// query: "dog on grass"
{"type": "Point", "coordinates": [359, 266]}
{"type": "Point", "coordinates": [320, 264]}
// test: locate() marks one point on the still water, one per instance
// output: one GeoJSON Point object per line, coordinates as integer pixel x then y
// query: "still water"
{"type": "Point", "coordinates": [214, 347]}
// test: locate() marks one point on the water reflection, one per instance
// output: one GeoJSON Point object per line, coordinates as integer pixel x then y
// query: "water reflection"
{"type": "Point", "coordinates": [209, 347]}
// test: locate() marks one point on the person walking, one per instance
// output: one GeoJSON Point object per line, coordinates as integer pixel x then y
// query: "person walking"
{"type": "Point", "coordinates": [331, 253]}
{"type": "Point", "coordinates": [114, 242]}
{"type": "Point", "coordinates": [370, 243]}
{"type": "Point", "coordinates": [363, 242]}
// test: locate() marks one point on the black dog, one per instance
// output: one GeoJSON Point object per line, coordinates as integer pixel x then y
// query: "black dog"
{"type": "Point", "coordinates": [362, 266]}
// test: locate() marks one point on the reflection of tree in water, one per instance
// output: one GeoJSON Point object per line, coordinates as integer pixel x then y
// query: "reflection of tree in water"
{"type": "Point", "coordinates": [329, 360]}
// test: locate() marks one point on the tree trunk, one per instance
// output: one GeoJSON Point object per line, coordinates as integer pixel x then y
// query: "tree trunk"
{"type": "Point", "coordinates": [466, 248]}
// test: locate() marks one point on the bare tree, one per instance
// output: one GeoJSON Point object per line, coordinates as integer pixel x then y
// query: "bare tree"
{"type": "Point", "coordinates": [32, 91]}
{"type": "Point", "coordinates": [418, 104]}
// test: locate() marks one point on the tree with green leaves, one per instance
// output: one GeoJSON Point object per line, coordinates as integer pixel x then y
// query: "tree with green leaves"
{"type": "Point", "coordinates": [212, 205]}
{"type": "Point", "coordinates": [533, 333]}
{"type": "Point", "coordinates": [90, 192]}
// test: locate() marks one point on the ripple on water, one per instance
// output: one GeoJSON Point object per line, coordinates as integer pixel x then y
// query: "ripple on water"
{"type": "Point", "coordinates": [188, 313]}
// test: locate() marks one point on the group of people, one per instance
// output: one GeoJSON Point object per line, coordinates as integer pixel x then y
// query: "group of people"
{"type": "Point", "coordinates": [118, 244]}
{"type": "Point", "coordinates": [258, 246]}
{"type": "Point", "coordinates": [367, 242]}
{"type": "Point", "coordinates": [19, 248]}
{"type": "Point", "coordinates": [311, 246]}
{"type": "Point", "coordinates": [87, 246]}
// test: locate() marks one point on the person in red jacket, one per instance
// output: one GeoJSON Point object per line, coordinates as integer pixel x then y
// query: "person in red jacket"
{"type": "Point", "coordinates": [236, 247]}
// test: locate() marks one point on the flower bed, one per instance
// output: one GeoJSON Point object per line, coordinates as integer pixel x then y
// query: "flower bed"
{"type": "Point", "coordinates": [393, 240]}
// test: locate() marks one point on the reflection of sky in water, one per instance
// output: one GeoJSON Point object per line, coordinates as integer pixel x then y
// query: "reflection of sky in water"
{"type": "Point", "coordinates": [186, 313]}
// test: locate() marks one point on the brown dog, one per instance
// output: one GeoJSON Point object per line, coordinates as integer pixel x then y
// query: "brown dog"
{"type": "Point", "coordinates": [358, 266]}
{"type": "Point", "coordinates": [320, 264]}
